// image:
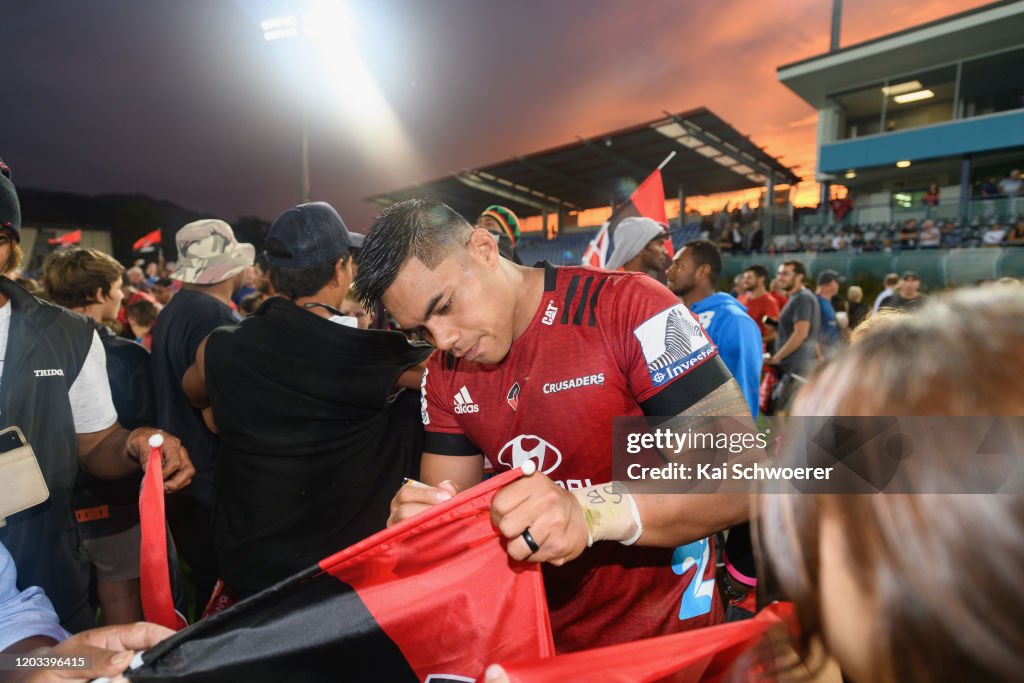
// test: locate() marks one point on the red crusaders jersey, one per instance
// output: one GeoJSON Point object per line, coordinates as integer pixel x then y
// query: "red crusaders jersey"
{"type": "Point", "coordinates": [601, 345]}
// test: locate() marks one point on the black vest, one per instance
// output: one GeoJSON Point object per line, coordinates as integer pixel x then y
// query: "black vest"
{"type": "Point", "coordinates": [43, 540]}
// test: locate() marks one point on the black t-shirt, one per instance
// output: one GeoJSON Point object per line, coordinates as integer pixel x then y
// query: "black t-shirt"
{"type": "Point", "coordinates": [897, 301]}
{"type": "Point", "coordinates": [181, 326]}
{"type": "Point", "coordinates": [104, 507]}
{"type": "Point", "coordinates": [312, 450]}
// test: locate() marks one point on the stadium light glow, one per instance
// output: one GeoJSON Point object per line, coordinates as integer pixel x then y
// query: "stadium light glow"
{"type": "Point", "coordinates": [900, 88]}
{"type": "Point", "coordinates": [913, 96]}
{"type": "Point", "coordinates": [347, 97]}
{"type": "Point", "coordinates": [280, 27]}
{"type": "Point", "coordinates": [905, 163]}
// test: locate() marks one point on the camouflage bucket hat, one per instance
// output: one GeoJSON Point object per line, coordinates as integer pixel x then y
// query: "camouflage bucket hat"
{"type": "Point", "coordinates": [208, 253]}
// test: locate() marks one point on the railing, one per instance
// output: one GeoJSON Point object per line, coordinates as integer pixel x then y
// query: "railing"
{"type": "Point", "coordinates": [999, 207]}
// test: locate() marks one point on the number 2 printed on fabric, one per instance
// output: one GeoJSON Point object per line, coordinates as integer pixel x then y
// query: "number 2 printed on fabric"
{"type": "Point", "coordinates": [698, 595]}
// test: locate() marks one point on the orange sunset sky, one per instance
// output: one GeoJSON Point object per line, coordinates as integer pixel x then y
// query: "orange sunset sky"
{"type": "Point", "coordinates": [729, 52]}
{"type": "Point", "coordinates": [192, 105]}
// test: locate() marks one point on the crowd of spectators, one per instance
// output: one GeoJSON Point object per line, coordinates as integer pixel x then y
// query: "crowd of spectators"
{"type": "Point", "coordinates": [294, 387]}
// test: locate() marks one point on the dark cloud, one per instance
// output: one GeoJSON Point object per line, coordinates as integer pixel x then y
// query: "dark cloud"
{"type": "Point", "coordinates": [185, 101]}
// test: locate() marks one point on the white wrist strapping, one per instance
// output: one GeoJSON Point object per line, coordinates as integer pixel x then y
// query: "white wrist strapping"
{"type": "Point", "coordinates": [636, 520]}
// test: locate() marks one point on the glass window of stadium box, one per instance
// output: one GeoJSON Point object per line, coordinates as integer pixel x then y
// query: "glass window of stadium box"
{"type": "Point", "coordinates": [920, 99]}
{"type": "Point", "coordinates": [860, 111]}
{"type": "Point", "coordinates": [992, 84]}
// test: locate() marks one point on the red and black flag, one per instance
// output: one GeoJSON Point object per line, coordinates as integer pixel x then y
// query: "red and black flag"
{"type": "Point", "coordinates": [68, 239]}
{"type": "Point", "coordinates": [647, 201]}
{"type": "Point", "coordinates": [147, 241]}
{"type": "Point", "coordinates": [434, 598]}
{"type": "Point", "coordinates": [737, 651]}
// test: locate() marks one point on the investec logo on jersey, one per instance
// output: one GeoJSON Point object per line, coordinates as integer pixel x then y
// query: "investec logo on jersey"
{"type": "Point", "coordinates": [575, 382]}
{"type": "Point", "coordinates": [672, 343]}
{"type": "Point", "coordinates": [464, 403]}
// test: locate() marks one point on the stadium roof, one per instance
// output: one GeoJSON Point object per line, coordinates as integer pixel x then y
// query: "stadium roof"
{"type": "Point", "coordinates": [965, 35]}
{"type": "Point", "coordinates": [711, 157]}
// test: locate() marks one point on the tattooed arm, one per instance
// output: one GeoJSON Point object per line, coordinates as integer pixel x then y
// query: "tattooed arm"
{"type": "Point", "coordinates": [563, 524]}
{"type": "Point", "coordinates": [669, 519]}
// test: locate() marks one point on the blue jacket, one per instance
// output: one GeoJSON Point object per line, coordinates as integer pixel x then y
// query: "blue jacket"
{"type": "Point", "coordinates": [738, 340]}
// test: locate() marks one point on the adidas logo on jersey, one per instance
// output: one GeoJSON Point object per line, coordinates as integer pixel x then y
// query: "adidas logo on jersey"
{"type": "Point", "coordinates": [464, 403]}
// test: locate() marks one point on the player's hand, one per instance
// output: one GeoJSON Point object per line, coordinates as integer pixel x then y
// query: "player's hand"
{"type": "Point", "coordinates": [111, 649]}
{"type": "Point", "coordinates": [551, 514]}
{"type": "Point", "coordinates": [413, 499]}
{"type": "Point", "coordinates": [177, 466]}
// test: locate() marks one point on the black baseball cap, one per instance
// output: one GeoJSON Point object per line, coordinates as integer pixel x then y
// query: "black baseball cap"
{"type": "Point", "coordinates": [827, 276]}
{"type": "Point", "coordinates": [307, 235]}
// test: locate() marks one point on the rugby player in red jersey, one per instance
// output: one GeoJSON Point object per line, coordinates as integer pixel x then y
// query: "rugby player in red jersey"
{"type": "Point", "coordinates": [533, 363]}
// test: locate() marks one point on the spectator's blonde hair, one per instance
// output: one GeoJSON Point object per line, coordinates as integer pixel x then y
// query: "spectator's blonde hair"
{"type": "Point", "coordinates": [942, 571]}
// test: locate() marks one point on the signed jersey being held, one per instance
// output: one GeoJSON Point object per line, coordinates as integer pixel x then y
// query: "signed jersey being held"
{"type": "Point", "coordinates": [600, 345]}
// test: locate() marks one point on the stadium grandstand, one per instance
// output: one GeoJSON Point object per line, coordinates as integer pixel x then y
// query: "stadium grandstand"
{"type": "Point", "coordinates": [924, 123]}
{"type": "Point", "coordinates": [570, 190]}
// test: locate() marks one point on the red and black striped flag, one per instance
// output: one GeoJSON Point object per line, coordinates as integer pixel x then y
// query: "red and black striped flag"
{"type": "Point", "coordinates": [647, 201]}
{"type": "Point", "coordinates": [434, 598]}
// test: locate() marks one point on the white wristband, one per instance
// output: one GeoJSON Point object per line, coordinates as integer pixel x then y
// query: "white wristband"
{"type": "Point", "coordinates": [636, 520]}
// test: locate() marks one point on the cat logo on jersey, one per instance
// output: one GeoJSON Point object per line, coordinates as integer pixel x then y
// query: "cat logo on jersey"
{"type": "Point", "coordinates": [550, 313]}
{"type": "Point", "coordinates": [530, 447]}
{"type": "Point", "coordinates": [513, 396]}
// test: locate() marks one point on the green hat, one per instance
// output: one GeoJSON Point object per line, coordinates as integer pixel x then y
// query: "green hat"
{"type": "Point", "coordinates": [506, 218]}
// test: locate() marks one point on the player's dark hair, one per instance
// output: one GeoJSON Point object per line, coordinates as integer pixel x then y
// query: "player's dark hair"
{"type": "Point", "coordinates": [706, 253]}
{"type": "Point", "coordinates": [298, 282]}
{"type": "Point", "coordinates": [798, 267]}
{"type": "Point", "coordinates": [759, 271]}
{"type": "Point", "coordinates": [425, 229]}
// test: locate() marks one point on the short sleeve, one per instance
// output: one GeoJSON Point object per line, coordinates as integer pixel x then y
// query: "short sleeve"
{"type": "Point", "coordinates": [444, 435]}
{"type": "Point", "coordinates": [91, 404]}
{"type": "Point", "coordinates": [220, 316]}
{"type": "Point", "coordinates": [24, 614]}
{"type": "Point", "coordinates": [803, 308]}
{"type": "Point", "coordinates": [668, 359]}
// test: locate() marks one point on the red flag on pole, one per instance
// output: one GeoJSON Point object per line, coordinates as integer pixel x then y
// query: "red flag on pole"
{"type": "Point", "coordinates": [148, 240]}
{"type": "Point", "coordinates": [154, 572]}
{"type": "Point", "coordinates": [648, 201]}
{"type": "Point", "coordinates": [434, 598]}
{"type": "Point", "coordinates": [67, 239]}
{"type": "Point", "coordinates": [713, 654]}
